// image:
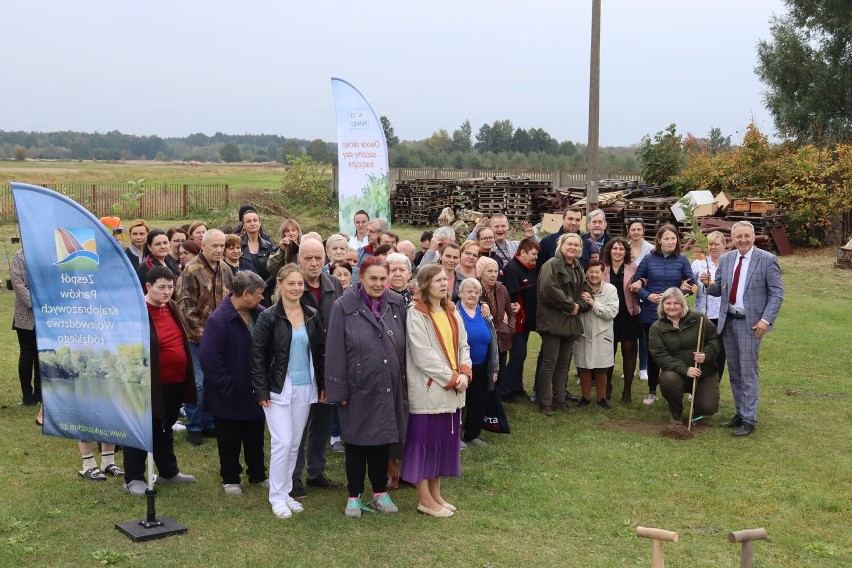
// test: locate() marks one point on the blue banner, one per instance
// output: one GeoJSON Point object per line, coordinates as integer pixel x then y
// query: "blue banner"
{"type": "Point", "coordinates": [362, 157]}
{"type": "Point", "coordinates": [91, 323]}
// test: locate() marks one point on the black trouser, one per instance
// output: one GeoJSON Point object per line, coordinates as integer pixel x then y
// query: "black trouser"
{"type": "Point", "coordinates": [720, 359]}
{"type": "Point", "coordinates": [315, 441]}
{"type": "Point", "coordinates": [28, 371]}
{"type": "Point", "coordinates": [231, 437]}
{"type": "Point", "coordinates": [164, 447]}
{"type": "Point", "coordinates": [474, 406]}
{"type": "Point", "coordinates": [653, 368]}
{"type": "Point", "coordinates": [361, 460]}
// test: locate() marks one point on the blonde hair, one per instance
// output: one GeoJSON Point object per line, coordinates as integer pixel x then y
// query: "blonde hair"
{"type": "Point", "coordinates": [672, 293]}
{"type": "Point", "coordinates": [282, 275]}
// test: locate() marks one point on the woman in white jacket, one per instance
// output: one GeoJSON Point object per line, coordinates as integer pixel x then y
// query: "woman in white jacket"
{"type": "Point", "coordinates": [593, 353]}
{"type": "Point", "coordinates": [438, 370]}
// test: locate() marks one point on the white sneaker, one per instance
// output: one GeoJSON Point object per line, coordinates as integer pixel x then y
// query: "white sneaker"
{"type": "Point", "coordinates": [689, 397]}
{"type": "Point", "coordinates": [178, 427]}
{"type": "Point", "coordinates": [282, 511]}
{"type": "Point", "coordinates": [649, 400]}
{"type": "Point", "coordinates": [294, 505]}
{"type": "Point", "coordinates": [643, 375]}
{"type": "Point", "coordinates": [232, 489]}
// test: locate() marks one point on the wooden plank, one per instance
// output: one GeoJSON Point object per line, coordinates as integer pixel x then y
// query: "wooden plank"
{"type": "Point", "coordinates": [782, 243]}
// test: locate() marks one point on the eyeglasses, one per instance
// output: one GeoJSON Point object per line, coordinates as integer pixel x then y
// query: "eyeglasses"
{"type": "Point", "coordinates": [636, 220]}
{"type": "Point", "coordinates": [471, 254]}
{"type": "Point", "coordinates": [486, 238]}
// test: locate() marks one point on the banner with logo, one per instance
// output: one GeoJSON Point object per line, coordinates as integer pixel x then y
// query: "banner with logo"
{"type": "Point", "coordinates": [362, 157]}
{"type": "Point", "coordinates": [91, 323]}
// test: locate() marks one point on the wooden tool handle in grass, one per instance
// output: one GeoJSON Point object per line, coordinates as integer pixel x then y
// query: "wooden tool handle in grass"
{"type": "Point", "coordinates": [657, 534]}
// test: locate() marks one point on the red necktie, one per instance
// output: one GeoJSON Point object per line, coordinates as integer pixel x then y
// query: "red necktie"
{"type": "Point", "coordinates": [733, 297]}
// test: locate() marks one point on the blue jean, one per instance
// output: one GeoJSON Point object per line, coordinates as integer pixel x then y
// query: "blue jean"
{"type": "Point", "coordinates": [197, 419]}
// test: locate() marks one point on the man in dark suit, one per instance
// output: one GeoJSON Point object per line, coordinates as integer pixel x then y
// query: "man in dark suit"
{"type": "Point", "coordinates": [749, 283]}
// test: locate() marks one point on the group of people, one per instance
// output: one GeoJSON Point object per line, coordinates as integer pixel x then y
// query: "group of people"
{"type": "Point", "coordinates": [365, 343]}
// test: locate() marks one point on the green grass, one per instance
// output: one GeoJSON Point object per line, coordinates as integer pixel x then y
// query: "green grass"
{"type": "Point", "coordinates": [560, 491]}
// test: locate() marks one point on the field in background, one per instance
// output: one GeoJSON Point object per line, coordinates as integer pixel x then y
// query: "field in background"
{"type": "Point", "coordinates": [242, 175]}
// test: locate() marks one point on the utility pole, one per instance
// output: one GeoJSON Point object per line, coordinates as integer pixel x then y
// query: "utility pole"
{"type": "Point", "coordinates": [594, 110]}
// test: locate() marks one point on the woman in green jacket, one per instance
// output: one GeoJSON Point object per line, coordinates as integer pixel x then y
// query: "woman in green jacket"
{"type": "Point", "coordinates": [560, 283]}
{"type": "Point", "coordinates": [673, 343]}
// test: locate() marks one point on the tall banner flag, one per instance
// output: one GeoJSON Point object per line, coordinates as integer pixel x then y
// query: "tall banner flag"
{"type": "Point", "coordinates": [91, 323]}
{"type": "Point", "coordinates": [362, 157]}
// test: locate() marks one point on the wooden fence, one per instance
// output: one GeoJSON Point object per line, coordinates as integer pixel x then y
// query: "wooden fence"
{"type": "Point", "coordinates": [164, 201]}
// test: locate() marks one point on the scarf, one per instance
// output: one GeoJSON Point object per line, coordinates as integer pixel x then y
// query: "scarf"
{"type": "Point", "coordinates": [376, 306]}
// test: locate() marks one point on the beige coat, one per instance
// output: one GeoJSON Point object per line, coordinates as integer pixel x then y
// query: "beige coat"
{"type": "Point", "coordinates": [593, 349]}
{"type": "Point", "coordinates": [431, 380]}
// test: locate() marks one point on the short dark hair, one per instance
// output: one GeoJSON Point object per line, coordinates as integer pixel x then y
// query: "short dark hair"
{"type": "Point", "coordinates": [426, 236]}
{"type": "Point", "coordinates": [171, 232]}
{"type": "Point", "coordinates": [593, 263]}
{"type": "Point", "coordinates": [344, 264]}
{"type": "Point", "coordinates": [573, 209]}
{"type": "Point", "coordinates": [160, 273]}
{"type": "Point", "coordinates": [390, 234]}
{"type": "Point", "coordinates": [607, 252]}
{"type": "Point", "coordinates": [386, 248]}
{"type": "Point", "coordinates": [528, 244]}
{"type": "Point", "coordinates": [246, 281]}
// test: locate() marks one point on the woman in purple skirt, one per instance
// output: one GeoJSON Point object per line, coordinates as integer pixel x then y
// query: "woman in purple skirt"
{"type": "Point", "coordinates": [439, 370]}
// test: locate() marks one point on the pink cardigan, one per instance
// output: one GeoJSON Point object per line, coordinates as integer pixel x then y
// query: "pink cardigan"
{"type": "Point", "coordinates": [630, 298]}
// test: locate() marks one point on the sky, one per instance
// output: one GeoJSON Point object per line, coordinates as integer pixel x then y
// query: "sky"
{"type": "Point", "coordinates": [173, 68]}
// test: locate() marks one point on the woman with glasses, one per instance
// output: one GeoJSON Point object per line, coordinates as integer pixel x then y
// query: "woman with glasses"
{"type": "Point", "coordinates": [469, 255]}
{"type": "Point", "coordinates": [485, 238]}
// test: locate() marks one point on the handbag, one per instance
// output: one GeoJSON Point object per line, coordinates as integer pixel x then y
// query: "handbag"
{"type": "Point", "coordinates": [495, 419]}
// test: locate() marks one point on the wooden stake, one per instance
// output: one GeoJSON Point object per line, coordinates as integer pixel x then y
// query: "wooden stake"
{"type": "Point", "coordinates": [746, 537]}
{"type": "Point", "coordinates": [657, 536]}
{"type": "Point", "coordinates": [695, 379]}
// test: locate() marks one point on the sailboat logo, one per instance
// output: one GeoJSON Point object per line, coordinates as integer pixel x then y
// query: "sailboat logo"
{"type": "Point", "coordinates": [76, 250]}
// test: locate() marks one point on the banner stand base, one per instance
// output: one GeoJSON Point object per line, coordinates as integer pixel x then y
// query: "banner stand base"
{"type": "Point", "coordinates": [152, 527]}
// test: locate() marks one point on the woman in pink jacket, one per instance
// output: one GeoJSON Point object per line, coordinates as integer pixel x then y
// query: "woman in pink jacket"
{"type": "Point", "coordinates": [619, 270]}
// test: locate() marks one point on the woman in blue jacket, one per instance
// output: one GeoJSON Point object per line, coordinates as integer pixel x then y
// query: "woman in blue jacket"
{"type": "Point", "coordinates": [666, 267]}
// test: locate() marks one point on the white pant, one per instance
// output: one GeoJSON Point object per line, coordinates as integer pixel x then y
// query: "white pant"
{"type": "Point", "coordinates": [286, 418]}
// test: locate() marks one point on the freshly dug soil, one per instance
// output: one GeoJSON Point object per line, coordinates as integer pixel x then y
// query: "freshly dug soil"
{"type": "Point", "coordinates": [676, 431]}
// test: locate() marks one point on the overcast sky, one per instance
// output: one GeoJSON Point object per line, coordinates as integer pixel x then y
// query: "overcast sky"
{"type": "Point", "coordinates": [177, 67]}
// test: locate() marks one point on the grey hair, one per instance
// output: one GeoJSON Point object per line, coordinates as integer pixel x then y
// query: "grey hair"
{"type": "Point", "coordinates": [595, 213]}
{"type": "Point", "coordinates": [447, 233]}
{"type": "Point", "coordinates": [672, 293]}
{"type": "Point", "coordinates": [211, 232]}
{"type": "Point", "coordinates": [333, 239]}
{"type": "Point", "coordinates": [398, 258]}
{"type": "Point", "coordinates": [246, 281]}
{"type": "Point", "coordinates": [739, 224]}
{"type": "Point", "coordinates": [473, 282]}
{"type": "Point", "coordinates": [381, 224]}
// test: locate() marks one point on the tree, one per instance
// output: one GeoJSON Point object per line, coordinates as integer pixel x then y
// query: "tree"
{"type": "Point", "coordinates": [807, 68]}
{"type": "Point", "coordinates": [391, 138]}
{"type": "Point", "coordinates": [20, 153]}
{"type": "Point", "coordinates": [230, 153]}
{"type": "Point", "coordinates": [461, 138]}
{"type": "Point", "coordinates": [663, 158]}
{"type": "Point", "coordinates": [717, 142]}
{"type": "Point", "coordinates": [306, 182]}
{"type": "Point", "coordinates": [521, 141]}
{"type": "Point", "coordinates": [291, 148]}
{"type": "Point", "coordinates": [317, 150]}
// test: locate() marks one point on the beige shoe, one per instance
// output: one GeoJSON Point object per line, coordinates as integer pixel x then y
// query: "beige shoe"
{"type": "Point", "coordinates": [443, 513]}
{"type": "Point", "coordinates": [449, 506]}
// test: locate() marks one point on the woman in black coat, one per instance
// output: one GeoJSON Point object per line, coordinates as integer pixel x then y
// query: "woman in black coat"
{"type": "Point", "coordinates": [287, 376]}
{"type": "Point", "coordinates": [366, 377]}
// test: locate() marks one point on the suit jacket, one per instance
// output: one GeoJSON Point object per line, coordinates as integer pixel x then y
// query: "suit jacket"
{"type": "Point", "coordinates": [763, 292]}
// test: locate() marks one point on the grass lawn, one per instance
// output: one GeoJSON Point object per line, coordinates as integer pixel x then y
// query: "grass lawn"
{"type": "Point", "coordinates": [566, 491]}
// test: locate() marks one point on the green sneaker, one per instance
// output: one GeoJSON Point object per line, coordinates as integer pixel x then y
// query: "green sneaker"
{"type": "Point", "coordinates": [384, 504]}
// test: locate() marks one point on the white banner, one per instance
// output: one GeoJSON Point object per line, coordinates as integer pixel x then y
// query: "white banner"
{"type": "Point", "coordinates": [362, 157]}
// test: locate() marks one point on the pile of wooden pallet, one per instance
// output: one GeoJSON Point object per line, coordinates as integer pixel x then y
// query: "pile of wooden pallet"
{"type": "Point", "coordinates": [653, 211]}
{"type": "Point", "coordinates": [419, 201]}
